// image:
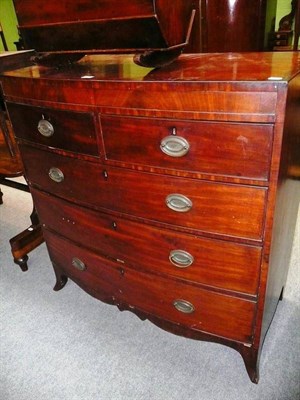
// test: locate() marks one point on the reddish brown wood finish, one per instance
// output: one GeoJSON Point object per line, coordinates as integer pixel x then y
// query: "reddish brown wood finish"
{"type": "Point", "coordinates": [179, 90]}
{"type": "Point", "coordinates": [225, 316]}
{"type": "Point", "coordinates": [10, 60]}
{"type": "Point", "coordinates": [233, 25]}
{"type": "Point", "coordinates": [73, 131]}
{"type": "Point", "coordinates": [220, 25]}
{"type": "Point", "coordinates": [147, 247]}
{"type": "Point", "coordinates": [107, 26]}
{"type": "Point", "coordinates": [11, 165]}
{"type": "Point", "coordinates": [65, 11]}
{"type": "Point", "coordinates": [240, 227]}
{"type": "Point", "coordinates": [10, 162]}
{"type": "Point", "coordinates": [222, 209]}
{"type": "Point", "coordinates": [215, 148]}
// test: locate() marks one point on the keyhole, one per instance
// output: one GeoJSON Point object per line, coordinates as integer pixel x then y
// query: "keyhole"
{"type": "Point", "coordinates": [105, 175]}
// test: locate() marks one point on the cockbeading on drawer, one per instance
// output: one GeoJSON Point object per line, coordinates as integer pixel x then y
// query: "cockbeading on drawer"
{"type": "Point", "coordinates": [228, 149]}
{"type": "Point", "coordinates": [216, 208]}
{"type": "Point", "coordinates": [61, 129]}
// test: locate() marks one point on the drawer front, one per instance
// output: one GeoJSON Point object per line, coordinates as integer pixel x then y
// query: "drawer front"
{"type": "Point", "coordinates": [67, 130]}
{"type": "Point", "coordinates": [239, 150]}
{"type": "Point", "coordinates": [281, 42]}
{"type": "Point", "coordinates": [216, 263]}
{"type": "Point", "coordinates": [211, 312]}
{"type": "Point", "coordinates": [210, 207]}
{"type": "Point", "coordinates": [279, 35]}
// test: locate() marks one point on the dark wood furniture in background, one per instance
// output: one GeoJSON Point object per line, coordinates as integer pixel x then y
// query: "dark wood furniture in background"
{"type": "Point", "coordinates": [11, 166]}
{"type": "Point", "coordinates": [297, 27]}
{"type": "Point", "coordinates": [184, 177]}
{"type": "Point", "coordinates": [10, 162]}
{"type": "Point", "coordinates": [283, 38]}
{"type": "Point", "coordinates": [3, 38]}
{"type": "Point", "coordinates": [156, 30]}
{"type": "Point", "coordinates": [223, 25]}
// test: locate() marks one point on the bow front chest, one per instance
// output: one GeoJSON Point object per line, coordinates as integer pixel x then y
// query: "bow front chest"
{"type": "Point", "coordinates": [169, 192]}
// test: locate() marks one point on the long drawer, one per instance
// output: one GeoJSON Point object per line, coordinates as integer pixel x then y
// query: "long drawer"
{"type": "Point", "coordinates": [62, 129]}
{"type": "Point", "coordinates": [231, 149]}
{"type": "Point", "coordinates": [184, 304]}
{"type": "Point", "coordinates": [212, 262]}
{"type": "Point", "coordinates": [231, 210]}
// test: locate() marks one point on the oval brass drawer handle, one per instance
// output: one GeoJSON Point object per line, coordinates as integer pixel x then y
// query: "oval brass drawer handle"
{"type": "Point", "coordinates": [178, 202]}
{"type": "Point", "coordinates": [174, 146]}
{"type": "Point", "coordinates": [181, 258]}
{"type": "Point", "coordinates": [45, 128]}
{"type": "Point", "coordinates": [56, 174]}
{"type": "Point", "coordinates": [184, 306]}
{"type": "Point", "coordinates": [78, 264]}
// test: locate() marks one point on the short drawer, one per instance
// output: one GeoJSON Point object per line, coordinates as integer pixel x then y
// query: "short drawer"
{"type": "Point", "coordinates": [231, 149]}
{"type": "Point", "coordinates": [67, 130]}
{"type": "Point", "coordinates": [224, 209]}
{"type": "Point", "coordinates": [280, 35]}
{"type": "Point", "coordinates": [212, 262]}
{"type": "Point", "coordinates": [184, 304]}
{"type": "Point", "coordinates": [281, 42]}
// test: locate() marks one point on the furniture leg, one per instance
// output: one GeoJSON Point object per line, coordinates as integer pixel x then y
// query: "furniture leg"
{"type": "Point", "coordinates": [61, 279]}
{"type": "Point", "coordinates": [25, 242]}
{"type": "Point", "coordinates": [251, 360]}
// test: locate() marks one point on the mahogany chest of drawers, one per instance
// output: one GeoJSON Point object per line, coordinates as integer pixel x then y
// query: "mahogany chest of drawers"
{"type": "Point", "coordinates": [172, 192]}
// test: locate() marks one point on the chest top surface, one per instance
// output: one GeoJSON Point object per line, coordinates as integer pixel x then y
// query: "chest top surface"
{"type": "Point", "coordinates": [231, 68]}
{"type": "Point", "coordinates": [242, 87]}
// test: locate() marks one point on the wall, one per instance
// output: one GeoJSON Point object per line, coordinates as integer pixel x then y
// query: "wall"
{"type": "Point", "coordinates": [270, 14]}
{"type": "Point", "coordinates": [9, 24]}
{"type": "Point", "coordinates": [283, 8]}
